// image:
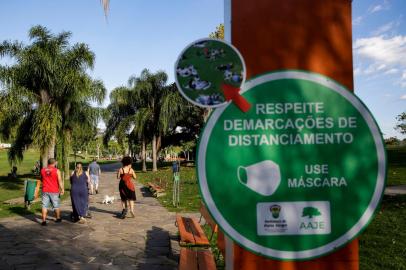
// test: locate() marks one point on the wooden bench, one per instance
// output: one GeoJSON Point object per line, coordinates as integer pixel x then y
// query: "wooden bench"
{"type": "Point", "coordinates": [156, 190]}
{"type": "Point", "coordinates": [214, 228]}
{"type": "Point", "coordinates": [196, 259]}
{"type": "Point", "coordinates": [204, 213]}
{"type": "Point", "coordinates": [191, 233]}
{"type": "Point", "coordinates": [195, 253]}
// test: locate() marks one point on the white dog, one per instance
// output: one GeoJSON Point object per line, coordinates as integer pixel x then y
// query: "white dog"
{"type": "Point", "coordinates": [108, 199]}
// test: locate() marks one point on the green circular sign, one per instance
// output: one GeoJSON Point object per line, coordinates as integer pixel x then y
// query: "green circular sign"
{"type": "Point", "coordinates": [297, 176]}
{"type": "Point", "coordinates": [204, 67]}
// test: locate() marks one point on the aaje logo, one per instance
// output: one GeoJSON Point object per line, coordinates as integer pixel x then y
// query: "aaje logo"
{"type": "Point", "coordinates": [275, 210]}
{"type": "Point", "coordinates": [310, 212]}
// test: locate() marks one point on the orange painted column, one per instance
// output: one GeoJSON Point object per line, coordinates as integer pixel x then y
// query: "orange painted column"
{"type": "Point", "coordinates": [312, 35]}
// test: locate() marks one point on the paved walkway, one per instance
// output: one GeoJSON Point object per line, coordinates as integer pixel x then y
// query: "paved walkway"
{"type": "Point", "coordinates": [105, 242]}
{"type": "Point", "coordinates": [395, 190]}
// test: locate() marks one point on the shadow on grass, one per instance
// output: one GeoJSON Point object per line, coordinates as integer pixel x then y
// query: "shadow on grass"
{"type": "Point", "coordinates": [145, 192]}
{"type": "Point", "coordinates": [22, 211]}
{"type": "Point", "coordinates": [10, 183]}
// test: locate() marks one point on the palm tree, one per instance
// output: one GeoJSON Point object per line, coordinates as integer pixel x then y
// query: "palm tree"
{"type": "Point", "coordinates": [147, 110]}
{"type": "Point", "coordinates": [44, 89]}
{"type": "Point", "coordinates": [161, 107]}
{"type": "Point", "coordinates": [119, 117]}
{"type": "Point", "coordinates": [105, 4]}
{"type": "Point", "coordinates": [77, 112]}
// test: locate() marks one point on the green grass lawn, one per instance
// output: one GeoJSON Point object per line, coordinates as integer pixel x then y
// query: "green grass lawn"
{"type": "Point", "coordinates": [383, 243]}
{"type": "Point", "coordinates": [10, 189]}
{"type": "Point", "coordinates": [14, 188]}
{"type": "Point", "coordinates": [396, 165]}
{"type": "Point", "coordinates": [189, 190]}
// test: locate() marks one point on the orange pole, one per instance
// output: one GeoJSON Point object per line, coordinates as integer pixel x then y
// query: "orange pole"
{"type": "Point", "coordinates": [312, 35]}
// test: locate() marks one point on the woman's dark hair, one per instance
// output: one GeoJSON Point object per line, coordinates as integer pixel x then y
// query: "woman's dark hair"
{"type": "Point", "coordinates": [126, 161]}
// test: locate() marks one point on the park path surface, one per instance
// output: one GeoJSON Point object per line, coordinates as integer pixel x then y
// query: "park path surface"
{"type": "Point", "coordinates": [104, 242]}
{"type": "Point", "coordinates": [395, 190]}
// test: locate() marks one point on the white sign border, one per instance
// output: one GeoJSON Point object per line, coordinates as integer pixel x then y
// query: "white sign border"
{"type": "Point", "coordinates": [365, 218]}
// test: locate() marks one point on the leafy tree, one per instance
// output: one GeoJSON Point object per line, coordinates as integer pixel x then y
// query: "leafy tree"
{"type": "Point", "coordinates": [401, 126]}
{"type": "Point", "coordinates": [219, 33]}
{"type": "Point", "coordinates": [146, 111]}
{"type": "Point", "coordinates": [161, 107]}
{"type": "Point", "coordinates": [46, 91]}
{"type": "Point", "coordinates": [120, 117]}
{"type": "Point", "coordinates": [188, 147]}
{"type": "Point", "coordinates": [392, 141]}
{"type": "Point", "coordinates": [82, 136]}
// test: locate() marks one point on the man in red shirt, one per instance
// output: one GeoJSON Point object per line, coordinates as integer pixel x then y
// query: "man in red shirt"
{"type": "Point", "coordinates": [52, 187]}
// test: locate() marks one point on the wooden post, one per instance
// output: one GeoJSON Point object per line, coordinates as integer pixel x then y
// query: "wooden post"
{"type": "Point", "coordinates": [312, 35]}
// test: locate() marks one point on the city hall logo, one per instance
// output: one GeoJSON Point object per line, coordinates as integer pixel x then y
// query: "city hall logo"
{"type": "Point", "coordinates": [275, 210]}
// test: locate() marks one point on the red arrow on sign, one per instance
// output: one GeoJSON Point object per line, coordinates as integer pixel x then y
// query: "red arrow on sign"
{"type": "Point", "coordinates": [232, 93]}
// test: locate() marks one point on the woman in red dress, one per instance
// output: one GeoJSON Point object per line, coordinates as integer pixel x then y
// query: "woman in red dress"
{"type": "Point", "coordinates": [126, 187]}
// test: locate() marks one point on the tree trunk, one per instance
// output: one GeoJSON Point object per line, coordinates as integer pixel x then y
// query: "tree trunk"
{"type": "Point", "coordinates": [44, 160]}
{"type": "Point", "coordinates": [65, 156]}
{"type": "Point", "coordinates": [48, 153]}
{"type": "Point", "coordinates": [74, 153]}
{"type": "Point", "coordinates": [143, 155]}
{"type": "Point", "coordinates": [154, 165]}
{"type": "Point", "coordinates": [51, 148]}
{"type": "Point", "coordinates": [98, 151]}
{"type": "Point", "coordinates": [158, 143]}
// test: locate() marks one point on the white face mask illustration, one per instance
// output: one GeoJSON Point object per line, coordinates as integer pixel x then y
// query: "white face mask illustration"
{"type": "Point", "coordinates": [263, 177]}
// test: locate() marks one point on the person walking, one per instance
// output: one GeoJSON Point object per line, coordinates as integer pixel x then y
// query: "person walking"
{"type": "Point", "coordinates": [94, 171]}
{"type": "Point", "coordinates": [126, 187]}
{"type": "Point", "coordinates": [52, 188]}
{"type": "Point", "coordinates": [79, 193]}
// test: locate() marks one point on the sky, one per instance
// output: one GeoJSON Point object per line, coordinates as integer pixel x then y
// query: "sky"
{"type": "Point", "coordinates": [151, 34]}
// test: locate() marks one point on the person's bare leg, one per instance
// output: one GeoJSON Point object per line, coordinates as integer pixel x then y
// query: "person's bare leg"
{"type": "Point", "coordinates": [131, 207]}
{"type": "Point", "coordinates": [91, 187]}
{"type": "Point", "coordinates": [124, 204]}
{"type": "Point", "coordinates": [57, 213]}
{"type": "Point", "coordinates": [124, 213]}
{"type": "Point", "coordinates": [44, 214]}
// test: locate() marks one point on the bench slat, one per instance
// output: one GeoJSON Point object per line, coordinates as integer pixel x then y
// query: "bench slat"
{"type": "Point", "coordinates": [186, 236]}
{"type": "Point", "coordinates": [205, 260]}
{"type": "Point", "coordinates": [190, 232]}
{"type": "Point", "coordinates": [157, 191]}
{"type": "Point", "coordinates": [188, 260]}
{"type": "Point", "coordinates": [196, 260]}
{"type": "Point", "coordinates": [198, 233]}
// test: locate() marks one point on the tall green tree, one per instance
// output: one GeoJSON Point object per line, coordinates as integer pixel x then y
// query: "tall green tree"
{"type": "Point", "coordinates": [161, 107]}
{"type": "Point", "coordinates": [119, 117]}
{"type": "Point", "coordinates": [146, 111]}
{"type": "Point", "coordinates": [45, 90]}
{"type": "Point", "coordinates": [401, 126]}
